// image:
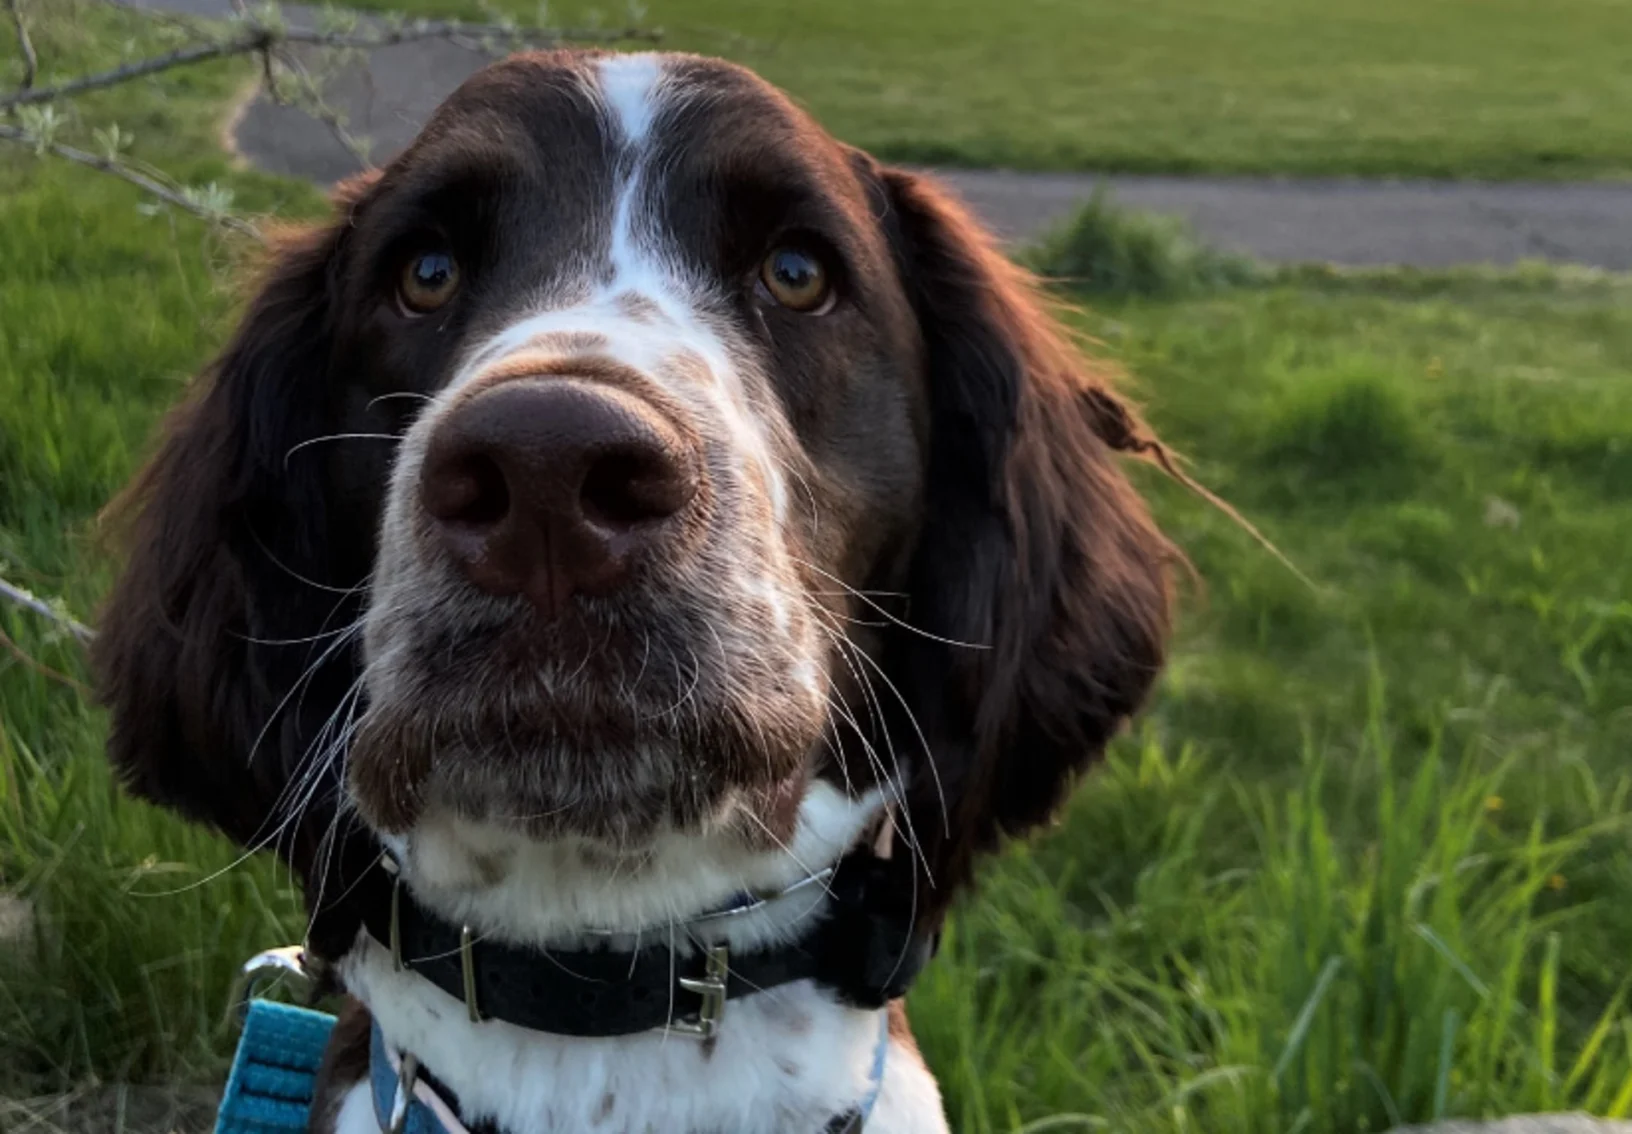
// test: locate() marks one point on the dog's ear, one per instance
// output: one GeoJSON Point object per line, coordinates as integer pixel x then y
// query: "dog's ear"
{"type": "Point", "coordinates": [216, 654]}
{"type": "Point", "coordinates": [1039, 593]}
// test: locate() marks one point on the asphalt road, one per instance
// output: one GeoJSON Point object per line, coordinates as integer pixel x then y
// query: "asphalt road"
{"type": "Point", "coordinates": [1426, 224]}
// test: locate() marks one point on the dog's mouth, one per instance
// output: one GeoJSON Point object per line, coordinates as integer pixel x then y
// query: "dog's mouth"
{"type": "Point", "coordinates": [599, 725]}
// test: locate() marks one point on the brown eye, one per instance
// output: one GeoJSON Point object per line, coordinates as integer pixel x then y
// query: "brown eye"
{"type": "Point", "coordinates": [428, 281]}
{"type": "Point", "coordinates": [795, 279]}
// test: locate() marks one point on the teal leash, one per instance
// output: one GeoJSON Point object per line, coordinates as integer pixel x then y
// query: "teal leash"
{"type": "Point", "coordinates": [274, 1071]}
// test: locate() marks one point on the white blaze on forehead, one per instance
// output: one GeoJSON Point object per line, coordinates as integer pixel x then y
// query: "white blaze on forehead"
{"type": "Point", "coordinates": [629, 86]}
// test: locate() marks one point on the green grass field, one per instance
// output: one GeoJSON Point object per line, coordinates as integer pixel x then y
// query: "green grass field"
{"type": "Point", "coordinates": [1411, 88]}
{"type": "Point", "coordinates": [1366, 861]}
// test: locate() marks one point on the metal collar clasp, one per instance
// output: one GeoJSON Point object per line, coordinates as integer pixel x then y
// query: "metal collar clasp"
{"type": "Point", "coordinates": [711, 986]}
{"type": "Point", "coordinates": [467, 942]}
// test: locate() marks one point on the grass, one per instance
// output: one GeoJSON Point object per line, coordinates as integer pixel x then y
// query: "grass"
{"type": "Point", "coordinates": [1366, 861]}
{"type": "Point", "coordinates": [1409, 88]}
{"type": "Point", "coordinates": [104, 311]}
{"type": "Point", "coordinates": [1105, 251]}
{"type": "Point", "coordinates": [1285, 980]}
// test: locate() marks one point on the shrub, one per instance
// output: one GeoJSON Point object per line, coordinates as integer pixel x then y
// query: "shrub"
{"type": "Point", "coordinates": [1110, 251]}
{"type": "Point", "coordinates": [1354, 438]}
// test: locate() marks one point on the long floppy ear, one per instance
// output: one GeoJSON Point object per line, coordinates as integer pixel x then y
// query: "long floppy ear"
{"type": "Point", "coordinates": [1036, 554]}
{"type": "Point", "coordinates": [214, 699]}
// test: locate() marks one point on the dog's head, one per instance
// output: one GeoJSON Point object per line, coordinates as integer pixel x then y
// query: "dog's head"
{"type": "Point", "coordinates": [625, 461]}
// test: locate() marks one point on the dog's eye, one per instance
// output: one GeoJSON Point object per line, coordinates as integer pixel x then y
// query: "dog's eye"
{"type": "Point", "coordinates": [796, 279]}
{"type": "Point", "coordinates": [428, 281]}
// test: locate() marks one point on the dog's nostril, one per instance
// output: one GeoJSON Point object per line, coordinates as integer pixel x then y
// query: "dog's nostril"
{"type": "Point", "coordinates": [624, 489]}
{"type": "Point", "coordinates": [470, 490]}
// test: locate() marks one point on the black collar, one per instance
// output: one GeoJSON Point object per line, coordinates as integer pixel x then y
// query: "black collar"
{"type": "Point", "coordinates": [864, 948]}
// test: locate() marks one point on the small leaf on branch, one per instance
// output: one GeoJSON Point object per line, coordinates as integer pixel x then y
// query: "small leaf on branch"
{"type": "Point", "coordinates": [213, 201]}
{"type": "Point", "coordinates": [112, 140]}
{"type": "Point", "coordinates": [40, 123]}
{"type": "Point", "coordinates": [336, 21]}
{"type": "Point", "coordinates": [269, 18]}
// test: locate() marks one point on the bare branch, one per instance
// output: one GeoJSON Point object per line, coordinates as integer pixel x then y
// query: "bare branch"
{"type": "Point", "coordinates": [136, 177]}
{"type": "Point", "coordinates": [17, 595]}
{"type": "Point", "coordinates": [178, 58]}
{"type": "Point", "coordinates": [311, 100]}
{"type": "Point", "coordinates": [453, 29]}
{"type": "Point", "coordinates": [34, 663]}
{"type": "Point", "coordinates": [31, 61]}
{"type": "Point", "coordinates": [262, 38]}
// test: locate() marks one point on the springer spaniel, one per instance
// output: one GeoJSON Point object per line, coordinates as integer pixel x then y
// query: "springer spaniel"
{"type": "Point", "coordinates": [636, 536]}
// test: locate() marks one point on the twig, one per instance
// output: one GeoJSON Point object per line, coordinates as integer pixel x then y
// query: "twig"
{"type": "Point", "coordinates": [313, 103]}
{"type": "Point", "coordinates": [31, 61]}
{"type": "Point", "coordinates": [178, 58]}
{"type": "Point", "coordinates": [261, 38]}
{"type": "Point", "coordinates": [15, 594]}
{"type": "Point", "coordinates": [39, 667]}
{"type": "Point", "coordinates": [453, 29]}
{"type": "Point", "coordinates": [135, 177]}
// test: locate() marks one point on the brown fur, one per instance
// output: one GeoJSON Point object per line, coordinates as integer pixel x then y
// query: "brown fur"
{"type": "Point", "coordinates": [1035, 548]}
{"type": "Point", "coordinates": [345, 1064]}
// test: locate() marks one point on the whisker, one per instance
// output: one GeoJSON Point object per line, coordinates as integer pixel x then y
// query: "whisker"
{"type": "Point", "coordinates": [303, 783]}
{"type": "Point", "coordinates": [372, 402]}
{"type": "Point", "coordinates": [815, 513]}
{"type": "Point", "coordinates": [299, 578]}
{"type": "Point", "coordinates": [845, 648]}
{"type": "Point", "coordinates": [891, 786]}
{"type": "Point", "coordinates": [353, 820]}
{"type": "Point", "coordinates": [912, 718]}
{"type": "Point", "coordinates": [826, 884]}
{"type": "Point", "coordinates": [307, 640]}
{"type": "Point", "coordinates": [854, 591]}
{"type": "Point", "coordinates": [696, 680]}
{"type": "Point", "coordinates": [892, 618]}
{"type": "Point", "coordinates": [293, 449]}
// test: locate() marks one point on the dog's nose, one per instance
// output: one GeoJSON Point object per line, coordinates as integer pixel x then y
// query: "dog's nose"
{"type": "Point", "coordinates": [552, 487]}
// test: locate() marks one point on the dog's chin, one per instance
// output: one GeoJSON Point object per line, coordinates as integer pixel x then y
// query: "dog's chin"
{"type": "Point", "coordinates": [620, 789]}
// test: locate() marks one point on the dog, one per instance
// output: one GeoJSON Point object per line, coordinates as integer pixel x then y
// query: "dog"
{"type": "Point", "coordinates": [631, 562]}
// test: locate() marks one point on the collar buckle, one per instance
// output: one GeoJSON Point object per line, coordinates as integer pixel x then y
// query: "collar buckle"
{"type": "Point", "coordinates": [711, 986]}
{"type": "Point", "coordinates": [467, 942]}
{"type": "Point", "coordinates": [467, 973]}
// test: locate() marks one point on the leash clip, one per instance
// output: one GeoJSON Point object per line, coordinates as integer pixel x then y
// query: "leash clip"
{"type": "Point", "coordinates": [711, 987]}
{"type": "Point", "coordinates": [402, 1101]}
{"type": "Point", "coordinates": [290, 964]}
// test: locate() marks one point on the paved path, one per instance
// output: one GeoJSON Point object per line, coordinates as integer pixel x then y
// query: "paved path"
{"type": "Point", "coordinates": [1428, 224]}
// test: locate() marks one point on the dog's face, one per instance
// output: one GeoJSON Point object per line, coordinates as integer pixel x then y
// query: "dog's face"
{"type": "Point", "coordinates": [626, 458]}
{"type": "Point", "coordinates": [673, 406]}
